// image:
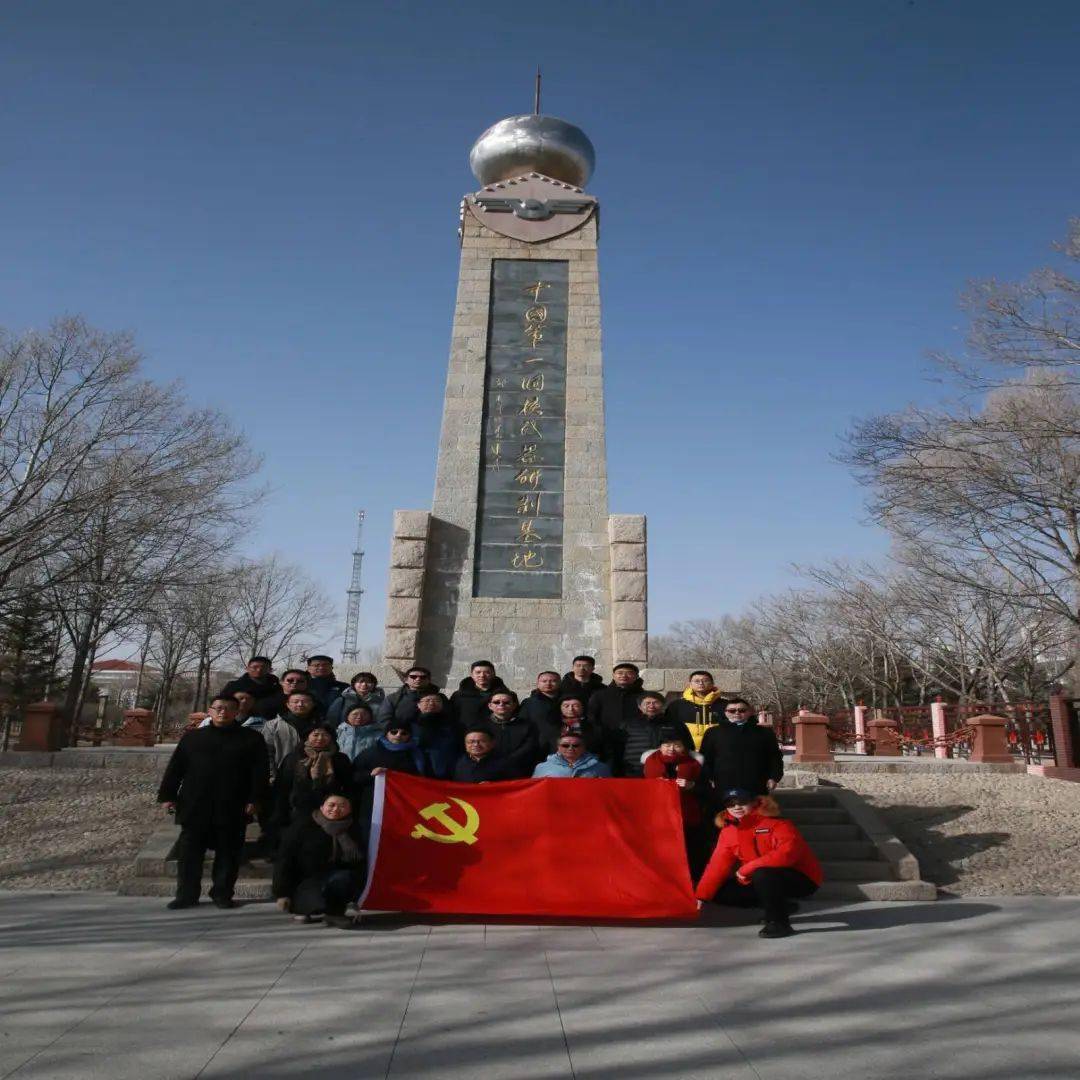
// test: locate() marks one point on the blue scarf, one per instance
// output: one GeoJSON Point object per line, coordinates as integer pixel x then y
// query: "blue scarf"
{"type": "Point", "coordinates": [411, 746]}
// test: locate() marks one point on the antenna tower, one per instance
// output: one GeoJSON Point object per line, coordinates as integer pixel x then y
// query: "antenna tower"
{"type": "Point", "coordinates": [354, 592]}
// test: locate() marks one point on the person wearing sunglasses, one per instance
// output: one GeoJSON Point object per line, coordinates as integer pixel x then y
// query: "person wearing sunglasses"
{"type": "Point", "coordinates": [761, 860]}
{"type": "Point", "coordinates": [570, 760]}
{"type": "Point", "coordinates": [396, 750]}
{"type": "Point", "coordinates": [739, 753]}
{"type": "Point", "coordinates": [404, 703]}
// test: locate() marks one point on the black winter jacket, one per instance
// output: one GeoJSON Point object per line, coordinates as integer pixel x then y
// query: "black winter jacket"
{"type": "Point", "coordinates": [215, 772]}
{"type": "Point", "coordinates": [267, 692]}
{"type": "Point", "coordinates": [307, 851]}
{"type": "Point", "coordinates": [570, 687]}
{"type": "Point", "coordinates": [546, 714]}
{"type": "Point", "coordinates": [485, 771]}
{"type": "Point", "coordinates": [517, 742]}
{"type": "Point", "coordinates": [740, 756]}
{"type": "Point", "coordinates": [297, 794]}
{"type": "Point", "coordinates": [402, 703]}
{"type": "Point", "coordinates": [469, 703]}
{"type": "Point", "coordinates": [326, 690]}
{"type": "Point", "coordinates": [614, 704]}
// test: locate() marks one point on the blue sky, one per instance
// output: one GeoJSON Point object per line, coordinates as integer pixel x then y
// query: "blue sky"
{"type": "Point", "coordinates": [793, 195]}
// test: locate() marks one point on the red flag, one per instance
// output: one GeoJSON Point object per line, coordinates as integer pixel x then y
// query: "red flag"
{"type": "Point", "coordinates": [579, 848]}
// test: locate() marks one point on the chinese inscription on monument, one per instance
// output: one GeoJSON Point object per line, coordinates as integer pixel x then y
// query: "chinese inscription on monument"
{"type": "Point", "coordinates": [519, 520]}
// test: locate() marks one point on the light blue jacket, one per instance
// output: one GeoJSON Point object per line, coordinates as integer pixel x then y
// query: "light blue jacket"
{"type": "Point", "coordinates": [558, 768]}
{"type": "Point", "coordinates": [353, 741]}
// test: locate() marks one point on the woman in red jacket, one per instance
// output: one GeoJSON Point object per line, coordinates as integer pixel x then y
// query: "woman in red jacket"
{"type": "Point", "coordinates": [761, 860]}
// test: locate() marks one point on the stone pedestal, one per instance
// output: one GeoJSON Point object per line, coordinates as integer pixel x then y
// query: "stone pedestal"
{"type": "Point", "coordinates": [811, 739]}
{"type": "Point", "coordinates": [990, 745]}
{"type": "Point", "coordinates": [884, 736]}
{"type": "Point", "coordinates": [42, 728]}
{"type": "Point", "coordinates": [136, 730]}
{"type": "Point", "coordinates": [1063, 725]}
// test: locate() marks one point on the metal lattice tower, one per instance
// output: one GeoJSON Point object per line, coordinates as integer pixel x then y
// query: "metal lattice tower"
{"type": "Point", "coordinates": [354, 592]}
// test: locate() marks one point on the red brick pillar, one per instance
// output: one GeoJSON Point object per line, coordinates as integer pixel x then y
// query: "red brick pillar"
{"type": "Point", "coordinates": [989, 744]}
{"type": "Point", "coordinates": [885, 737]}
{"type": "Point", "coordinates": [811, 739]}
{"type": "Point", "coordinates": [137, 729]}
{"type": "Point", "coordinates": [42, 727]}
{"type": "Point", "coordinates": [1061, 723]}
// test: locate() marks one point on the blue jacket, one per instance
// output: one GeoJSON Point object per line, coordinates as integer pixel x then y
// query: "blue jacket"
{"type": "Point", "coordinates": [353, 741]}
{"type": "Point", "coordinates": [558, 768]}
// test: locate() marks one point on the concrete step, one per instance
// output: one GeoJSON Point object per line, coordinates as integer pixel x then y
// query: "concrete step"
{"type": "Point", "coordinates": [877, 890]}
{"type": "Point", "coordinates": [246, 888]}
{"type": "Point", "coordinates": [816, 815]}
{"type": "Point", "coordinates": [857, 870]}
{"type": "Point", "coordinates": [843, 850]}
{"type": "Point", "coordinates": [801, 797]}
{"type": "Point", "coordinates": [816, 834]}
{"type": "Point", "coordinates": [256, 869]}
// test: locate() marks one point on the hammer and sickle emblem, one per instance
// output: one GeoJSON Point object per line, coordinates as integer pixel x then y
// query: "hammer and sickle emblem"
{"type": "Point", "coordinates": [456, 832]}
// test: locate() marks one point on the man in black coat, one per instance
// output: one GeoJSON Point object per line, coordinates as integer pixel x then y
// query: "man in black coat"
{"type": "Point", "coordinates": [740, 754]}
{"type": "Point", "coordinates": [324, 684]}
{"type": "Point", "coordinates": [404, 703]}
{"type": "Point", "coordinates": [480, 764]}
{"type": "Point", "coordinates": [214, 780]}
{"type": "Point", "coordinates": [582, 681]}
{"type": "Point", "coordinates": [614, 711]}
{"type": "Point", "coordinates": [318, 869]}
{"type": "Point", "coordinates": [517, 741]}
{"type": "Point", "coordinates": [261, 683]}
{"type": "Point", "coordinates": [544, 708]}
{"type": "Point", "coordinates": [469, 703]}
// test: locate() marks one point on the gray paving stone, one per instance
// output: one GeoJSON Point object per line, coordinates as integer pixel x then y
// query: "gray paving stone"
{"type": "Point", "coordinates": [106, 986]}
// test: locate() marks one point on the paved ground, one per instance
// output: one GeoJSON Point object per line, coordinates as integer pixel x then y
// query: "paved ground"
{"type": "Point", "coordinates": [99, 986]}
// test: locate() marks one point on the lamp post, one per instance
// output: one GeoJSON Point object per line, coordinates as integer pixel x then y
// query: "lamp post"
{"type": "Point", "coordinates": [99, 719]}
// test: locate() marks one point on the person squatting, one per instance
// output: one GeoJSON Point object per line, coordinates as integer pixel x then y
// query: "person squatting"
{"type": "Point", "coordinates": [300, 754]}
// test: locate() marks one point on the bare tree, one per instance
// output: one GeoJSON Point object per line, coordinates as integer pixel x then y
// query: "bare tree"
{"type": "Point", "coordinates": [1023, 325]}
{"type": "Point", "coordinates": [996, 487]}
{"type": "Point", "coordinates": [273, 605]}
{"type": "Point", "coordinates": [70, 398]}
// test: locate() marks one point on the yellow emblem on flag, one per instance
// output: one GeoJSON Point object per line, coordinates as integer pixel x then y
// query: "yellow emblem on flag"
{"type": "Point", "coordinates": [457, 832]}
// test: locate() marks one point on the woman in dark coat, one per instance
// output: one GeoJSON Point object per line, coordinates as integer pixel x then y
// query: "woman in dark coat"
{"type": "Point", "coordinates": [319, 866]}
{"type": "Point", "coordinates": [309, 774]}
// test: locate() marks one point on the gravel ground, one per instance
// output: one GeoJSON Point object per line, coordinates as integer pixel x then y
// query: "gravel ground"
{"type": "Point", "coordinates": [974, 834]}
{"type": "Point", "coordinates": [983, 834]}
{"type": "Point", "coordinates": [73, 829]}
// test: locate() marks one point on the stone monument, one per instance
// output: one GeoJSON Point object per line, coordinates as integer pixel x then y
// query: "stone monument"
{"type": "Point", "coordinates": [518, 560]}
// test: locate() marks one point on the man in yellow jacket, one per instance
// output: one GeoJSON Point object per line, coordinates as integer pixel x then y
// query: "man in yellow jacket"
{"type": "Point", "coordinates": [700, 706]}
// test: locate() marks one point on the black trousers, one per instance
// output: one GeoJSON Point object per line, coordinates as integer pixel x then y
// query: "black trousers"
{"type": "Point", "coordinates": [771, 888]}
{"type": "Point", "coordinates": [327, 893]}
{"type": "Point", "coordinates": [227, 842]}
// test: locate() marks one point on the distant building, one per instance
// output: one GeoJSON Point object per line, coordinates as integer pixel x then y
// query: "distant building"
{"type": "Point", "coordinates": [119, 679]}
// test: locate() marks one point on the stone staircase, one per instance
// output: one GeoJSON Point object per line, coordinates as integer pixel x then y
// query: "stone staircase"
{"type": "Point", "coordinates": [155, 867]}
{"type": "Point", "coordinates": [861, 857]}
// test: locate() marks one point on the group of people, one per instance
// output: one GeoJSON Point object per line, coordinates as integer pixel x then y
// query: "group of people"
{"type": "Point", "coordinates": [301, 754]}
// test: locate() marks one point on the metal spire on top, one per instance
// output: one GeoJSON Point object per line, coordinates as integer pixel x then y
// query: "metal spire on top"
{"type": "Point", "coordinates": [536, 106]}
